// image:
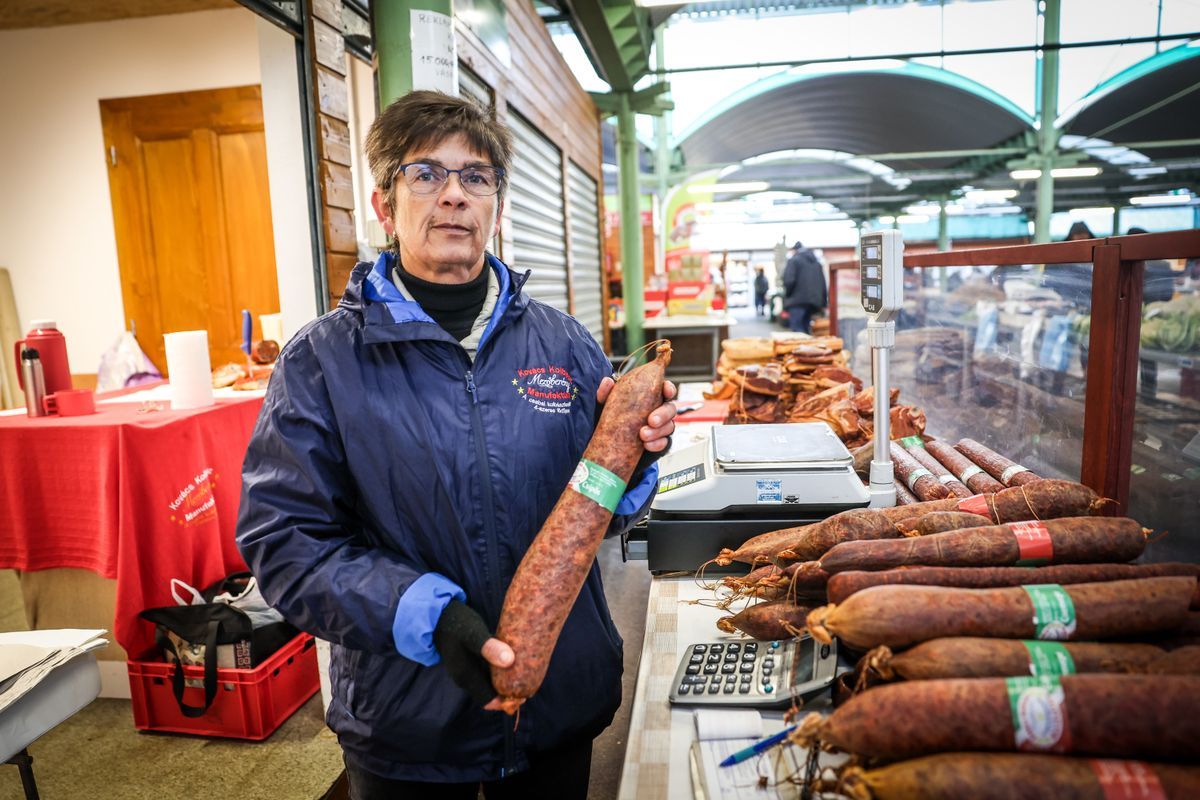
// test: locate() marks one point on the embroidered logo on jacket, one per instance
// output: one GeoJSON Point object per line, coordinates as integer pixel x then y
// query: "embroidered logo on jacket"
{"type": "Point", "coordinates": [548, 389]}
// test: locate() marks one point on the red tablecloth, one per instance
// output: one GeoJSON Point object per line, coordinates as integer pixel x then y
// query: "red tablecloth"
{"type": "Point", "coordinates": [139, 496]}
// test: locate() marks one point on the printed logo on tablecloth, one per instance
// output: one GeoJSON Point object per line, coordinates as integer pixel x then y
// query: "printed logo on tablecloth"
{"type": "Point", "coordinates": [548, 389]}
{"type": "Point", "coordinates": [195, 503]}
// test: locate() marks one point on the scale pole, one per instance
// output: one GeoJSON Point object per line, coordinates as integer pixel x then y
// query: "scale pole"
{"type": "Point", "coordinates": [882, 338]}
{"type": "Point", "coordinates": [881, 289]}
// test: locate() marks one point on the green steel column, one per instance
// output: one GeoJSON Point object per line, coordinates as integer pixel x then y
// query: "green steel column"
{"type": "Point", "coordinates": [943, 227]}
{"type": "Point", "coordinates": [393, 43]}
{"type": "Point", "coordinates": [662, 151]}
{"type": "Point", "coordinates": [1047, 111]}
{"type": "Point", "coordinates": [632, 271]}
{"type": "Point", "coordinates": [1116, 231]}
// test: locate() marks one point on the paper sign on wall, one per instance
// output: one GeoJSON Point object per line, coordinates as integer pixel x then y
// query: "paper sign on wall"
{"type": "Point", "coordinates": [434, 57]}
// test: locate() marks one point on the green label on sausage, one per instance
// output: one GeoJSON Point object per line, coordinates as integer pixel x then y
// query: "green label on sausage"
{"type": "Point", "coordinates": [598, 484]}
{"type": "Point", "coordinates": [912, 441]}
{"type": "Point", "coordinates": [1053, 611]}
{"type": "Point", "coordinates": [1039, 715]}
{"type": "Point", "coordinates": [1049, 658]}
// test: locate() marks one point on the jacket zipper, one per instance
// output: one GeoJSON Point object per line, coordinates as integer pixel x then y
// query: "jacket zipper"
{"type": "Point", "coordinates": [489, 516]}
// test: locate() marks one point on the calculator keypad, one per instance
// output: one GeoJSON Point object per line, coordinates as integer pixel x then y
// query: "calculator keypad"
{"type": "Point", "coordinates": [732, 670]}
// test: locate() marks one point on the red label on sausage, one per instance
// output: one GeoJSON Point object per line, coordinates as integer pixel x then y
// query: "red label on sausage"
{"type": "Point", "coordinates": [976, 504]}
{"type": "Point", "coordinates": [1033, 543]}
{"type": "Point", "coordinates": [1126, 780]}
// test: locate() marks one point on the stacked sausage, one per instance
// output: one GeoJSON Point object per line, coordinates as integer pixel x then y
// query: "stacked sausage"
{"type": "Point", "coordinates": [1010, 649]}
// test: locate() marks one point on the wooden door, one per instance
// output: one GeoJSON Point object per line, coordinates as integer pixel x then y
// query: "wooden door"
{"type": "Point", "coordinates": [192, 212]}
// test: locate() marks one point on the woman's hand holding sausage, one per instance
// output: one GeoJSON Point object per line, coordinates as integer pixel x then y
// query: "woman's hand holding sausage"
{"type": "Point", "coordinates": [660, 424]}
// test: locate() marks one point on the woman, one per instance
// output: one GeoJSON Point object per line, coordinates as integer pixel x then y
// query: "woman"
{"type": "Point", "coordinates": [410, 446]}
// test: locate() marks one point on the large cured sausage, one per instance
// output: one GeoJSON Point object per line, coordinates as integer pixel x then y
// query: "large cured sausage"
{"type": "Point", "coordinates": [844, 584]}
{"type": "Point", "coordinates": [961, 467]}
{"type": "Point", "coordinates": [903, 615]}
{"type": "Point", "coordinates": [1002, 469]}
{"type": "Point", "coordinates": [1074, 540]}
{"type": "Point", "coordinates": [1098, 715]}
{"type": "Point", "coordinates": [1013, 776]}
{"type": "Point", "coordinates": [549, 577]}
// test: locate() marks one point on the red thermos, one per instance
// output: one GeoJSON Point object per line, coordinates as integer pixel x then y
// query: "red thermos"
{"type": "Point", "coordinates": [52, 347]}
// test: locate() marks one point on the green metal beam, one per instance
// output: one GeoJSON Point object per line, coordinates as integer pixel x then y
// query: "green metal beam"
{"type": "Point", "coordinates": [632, 269]}
{"type": "Point", "coordinates": [1047, 133]}
{"type": "Point", "coordinates": [616, 37]}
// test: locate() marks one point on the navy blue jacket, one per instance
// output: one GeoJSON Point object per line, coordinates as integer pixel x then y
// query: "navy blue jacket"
{"type": "Point", "coordinates": [388, 474]}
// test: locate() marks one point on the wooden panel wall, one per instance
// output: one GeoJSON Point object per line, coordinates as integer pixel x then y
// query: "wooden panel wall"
{"type": "Point", "coordinates": [327, 53]}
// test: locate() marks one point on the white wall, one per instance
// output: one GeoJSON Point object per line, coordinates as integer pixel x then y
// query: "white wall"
{"type": "Point", "coordinates": [286, 175]}
{"type": "Point", "coordinates": [56, 226]}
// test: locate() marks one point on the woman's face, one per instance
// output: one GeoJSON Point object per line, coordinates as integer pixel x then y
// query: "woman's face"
{"type": "Point", "coordinates": [442, 236]}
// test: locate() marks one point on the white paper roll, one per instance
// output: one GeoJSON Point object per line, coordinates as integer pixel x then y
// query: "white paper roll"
{"type": "Point", "coordinates": [188, 369]}
{"type": "Point", "coordinates": [272, 328]}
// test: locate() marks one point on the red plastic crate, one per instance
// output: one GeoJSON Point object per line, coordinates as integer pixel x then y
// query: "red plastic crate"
{"type": "Point", "coordinates": [250, 703]}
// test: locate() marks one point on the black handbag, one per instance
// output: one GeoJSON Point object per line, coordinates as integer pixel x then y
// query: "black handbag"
{"type": "Point", "coordinates": [233, 625]}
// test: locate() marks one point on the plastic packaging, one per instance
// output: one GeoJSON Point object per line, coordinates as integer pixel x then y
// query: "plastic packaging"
{"type": "Point", "coordinates": [125, 364]}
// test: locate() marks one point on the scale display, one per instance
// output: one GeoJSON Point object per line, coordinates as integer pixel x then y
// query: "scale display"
{"type": "Point", "coordinates": [881, 263]}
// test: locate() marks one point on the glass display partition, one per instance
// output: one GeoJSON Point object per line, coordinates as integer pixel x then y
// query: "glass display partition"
{"type": "Point", "coordinates": [995, 346]}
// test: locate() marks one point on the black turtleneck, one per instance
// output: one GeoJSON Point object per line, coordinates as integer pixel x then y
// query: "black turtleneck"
{"type": "Point", "coordinates": [453, 306]}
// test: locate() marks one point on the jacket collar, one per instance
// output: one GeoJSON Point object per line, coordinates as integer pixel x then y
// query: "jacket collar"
{"type": "Point", "coordinates": [388, 316]}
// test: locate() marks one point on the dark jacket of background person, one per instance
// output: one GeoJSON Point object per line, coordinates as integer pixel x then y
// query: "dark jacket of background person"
{"type": "Point", "coordinates": [1072, 282]}
{"type": "Point", "coordinates": [385, 464]}
{"type": "Point", "coordinates": [803, 281]}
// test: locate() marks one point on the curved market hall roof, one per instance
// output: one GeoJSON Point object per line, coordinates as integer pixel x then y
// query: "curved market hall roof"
{"type": "Point", "coordinates": [911, 108]}
{"type": "Point", "coordinates": [1155, 99]}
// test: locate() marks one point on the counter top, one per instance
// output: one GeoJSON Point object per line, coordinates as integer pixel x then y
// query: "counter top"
{"type": "Point", "coordinates": [657, 765]}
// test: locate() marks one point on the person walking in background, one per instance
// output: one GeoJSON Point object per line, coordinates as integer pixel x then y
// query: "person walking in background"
{"type": "Point", "coordinates": [804, 289]}
{"type": "Point", "coordinates": [761, 285]}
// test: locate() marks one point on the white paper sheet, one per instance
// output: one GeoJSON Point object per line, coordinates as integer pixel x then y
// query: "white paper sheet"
{"type": "Point", "coordinates": [19, 651]}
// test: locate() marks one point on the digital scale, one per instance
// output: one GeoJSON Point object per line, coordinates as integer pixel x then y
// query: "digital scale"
{"type": "Point", "coordinates": [750, 479]}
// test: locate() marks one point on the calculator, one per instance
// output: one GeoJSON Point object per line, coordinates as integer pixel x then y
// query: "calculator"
{"type": "Point", "coordinates": [755, 674]}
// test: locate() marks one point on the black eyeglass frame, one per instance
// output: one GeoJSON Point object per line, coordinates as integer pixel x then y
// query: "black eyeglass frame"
{"type": "Point", "coordinates": [468, 188]}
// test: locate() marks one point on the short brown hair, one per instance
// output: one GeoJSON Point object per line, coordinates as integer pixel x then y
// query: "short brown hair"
{"type": "Point", "coordinates": [422, 118]}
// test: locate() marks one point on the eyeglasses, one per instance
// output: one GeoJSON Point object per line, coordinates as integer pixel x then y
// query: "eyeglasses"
{"type": "Point", "coordinates": [421, 178]}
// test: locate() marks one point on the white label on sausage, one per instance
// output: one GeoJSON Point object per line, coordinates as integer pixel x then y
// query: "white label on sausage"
{"type": "Point", "coordinates": [969, 472]}
{"type": "Point", "coordinates": [916, 475]}
{"type": "Point", "coordinates": [1013, 470]}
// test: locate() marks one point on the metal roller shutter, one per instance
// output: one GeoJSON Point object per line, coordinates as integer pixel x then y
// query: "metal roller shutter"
{"type": "Point", "coordinates": [585, 251]}
{"type": "Point", "coordinates": [470, 85]}
{"type": "Point", "coordinates": [535, 202]}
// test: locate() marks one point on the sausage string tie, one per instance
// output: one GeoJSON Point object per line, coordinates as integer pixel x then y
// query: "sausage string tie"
{"type": "Point", "coordinates": [1029, 505]}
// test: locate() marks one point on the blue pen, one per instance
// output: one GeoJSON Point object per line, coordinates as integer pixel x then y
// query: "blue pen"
{"type": "Point", "coordinates": [757, 747]}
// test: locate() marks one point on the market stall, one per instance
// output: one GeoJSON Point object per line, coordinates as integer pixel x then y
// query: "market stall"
{"type": "Point", "coordinates": [135, 494]}
{"type": "Point", "coordinates": [1053, 633]}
